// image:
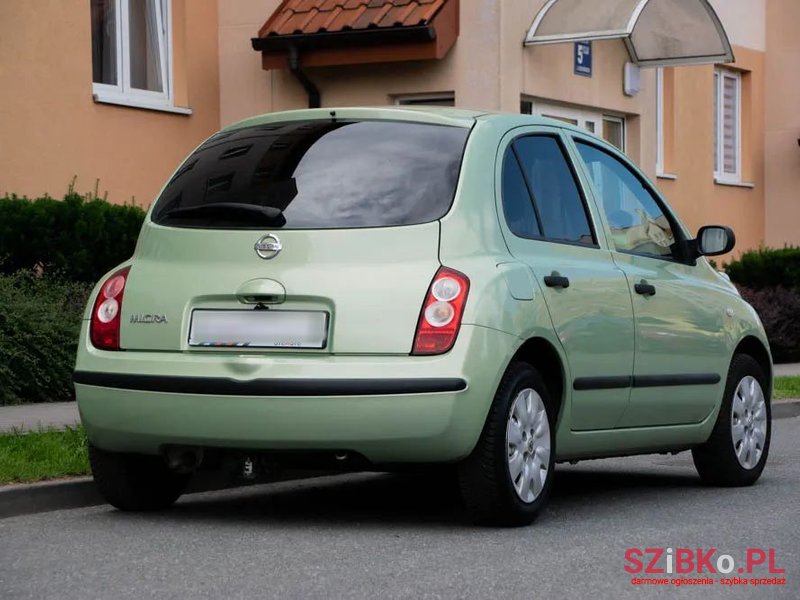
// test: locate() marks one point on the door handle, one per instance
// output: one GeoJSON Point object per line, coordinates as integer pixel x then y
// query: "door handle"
{"type": "Point", "coordinates": [554, 280]}
{"type": "Point", "coordinates": [645, 289]}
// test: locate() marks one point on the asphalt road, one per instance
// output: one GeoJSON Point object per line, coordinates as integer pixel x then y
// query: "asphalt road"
{"type": "Point", "coordinates": [369, 536]}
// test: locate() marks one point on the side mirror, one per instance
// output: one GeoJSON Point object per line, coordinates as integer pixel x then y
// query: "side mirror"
{"type": "Point", "coordinates": [714, 240]}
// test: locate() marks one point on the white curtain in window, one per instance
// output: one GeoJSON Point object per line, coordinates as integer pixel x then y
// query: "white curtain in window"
{"type": "Point", "coordinates": [147, 37]}
{"type": "Point", "coordinates": [730, 113]}
{"type": "Point", "coordinates": [726, 123]}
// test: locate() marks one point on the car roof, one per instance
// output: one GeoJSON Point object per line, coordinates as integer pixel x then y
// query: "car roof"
{"type": "Point", "coordinates": [443, 115]}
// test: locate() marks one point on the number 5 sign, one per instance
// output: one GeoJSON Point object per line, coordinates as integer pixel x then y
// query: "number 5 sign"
{"type": "Point", "coordinates": [583, 58]}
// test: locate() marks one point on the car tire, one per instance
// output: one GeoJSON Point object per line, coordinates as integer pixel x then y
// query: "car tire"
{"type": "Point", "coordinates": [496, 487]}
{"type": "Point", "coordinates": [135, 482]}
{"type": "Point", "coordinates": [737, 450]}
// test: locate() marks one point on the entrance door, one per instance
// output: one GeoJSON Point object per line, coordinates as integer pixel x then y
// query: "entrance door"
{"type": "Point", "coordinates": [607, 126]}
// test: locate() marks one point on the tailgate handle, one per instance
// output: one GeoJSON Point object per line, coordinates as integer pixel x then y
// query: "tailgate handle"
{"type": "Point", "coordinates": [261, 291]}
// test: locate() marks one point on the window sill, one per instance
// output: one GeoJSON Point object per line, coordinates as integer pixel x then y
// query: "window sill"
{"type": "Point", "coordinates": [669, 176]}
{"type": "Point", "coordinates": [739, 184]}
{"type": "Point", "coordinates": [101, 98]}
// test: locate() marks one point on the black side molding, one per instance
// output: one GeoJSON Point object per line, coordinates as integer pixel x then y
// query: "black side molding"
{"type": "Point", "coordinates": [602, 383]}
{"type": "Point", "coordinates": [221, 386]}
{"type": "Point", "coordinates": [644, 381]}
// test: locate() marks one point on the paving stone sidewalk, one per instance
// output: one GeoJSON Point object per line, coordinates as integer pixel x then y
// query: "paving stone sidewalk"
{"type": "Point", "coordinates": [32, 417]}
{"type": "Point", "coordinates": [787, 370]}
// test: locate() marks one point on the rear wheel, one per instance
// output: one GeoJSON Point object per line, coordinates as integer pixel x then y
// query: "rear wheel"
{"type": "Point", "coordinates": [736, 451]}
{"type": "Point", "coordinates": [135, 482]}
{"type": "Point", "coordinates": [507, 478]}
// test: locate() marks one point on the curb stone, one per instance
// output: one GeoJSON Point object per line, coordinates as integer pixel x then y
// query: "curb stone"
{"type": "Point", "coordinates": [24, 499]}
{"type": "Point", "coordinates": [29, 498]}
{"type": "Point", "coordinates": [785, 409]}
{"type": "Point", "coordinates": [81, 492]}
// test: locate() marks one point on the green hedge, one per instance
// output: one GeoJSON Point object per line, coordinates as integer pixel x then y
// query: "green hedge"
{"type": "Point", "coordinates": [767, 267]}
{"type": "Point", "coordinates": [78, 238]}
{"type": "Point", "coordinates": [769, 279]}
{"type": "Point", "coordinates": [39, 325]}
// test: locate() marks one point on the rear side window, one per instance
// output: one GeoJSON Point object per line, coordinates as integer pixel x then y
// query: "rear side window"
{"type": "Point", "coordinates": [548, 204]}
{"type": "Point", "coordinates": [517, 205]}
{"type": "Point", "coordinates": [317, 175]}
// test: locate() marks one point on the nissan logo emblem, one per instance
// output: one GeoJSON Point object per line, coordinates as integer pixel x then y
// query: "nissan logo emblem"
{"type": "Point", "coordinates": [268, 246]}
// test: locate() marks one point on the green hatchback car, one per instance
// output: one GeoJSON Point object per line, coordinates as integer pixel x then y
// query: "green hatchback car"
{"type": "Point", "coordinates": [375, 289]}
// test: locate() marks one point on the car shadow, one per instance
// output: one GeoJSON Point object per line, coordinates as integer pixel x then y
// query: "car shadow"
{"type": "Point", "coordinates": [382, 499]}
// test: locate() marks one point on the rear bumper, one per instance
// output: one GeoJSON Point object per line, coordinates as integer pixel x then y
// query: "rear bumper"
{"type": "Point", "coordinates": [390, 409]}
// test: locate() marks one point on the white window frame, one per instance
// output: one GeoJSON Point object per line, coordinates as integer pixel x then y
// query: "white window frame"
{"type": "Point", "coordinates": [660, 121]}
{"type": "Point", "coordinates": [123, 93]}
{"type": "Point", "coordinates": [719, 159]}
{"type": "Point", "coordinates": [421, 99]}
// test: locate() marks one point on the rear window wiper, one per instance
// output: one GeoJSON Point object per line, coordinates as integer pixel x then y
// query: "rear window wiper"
{"type": "Point", "coordinates": [228, 210]}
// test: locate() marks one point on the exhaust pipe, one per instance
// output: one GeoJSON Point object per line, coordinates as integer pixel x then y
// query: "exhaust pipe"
{"type": "Point", "coordinates": [184, 460]}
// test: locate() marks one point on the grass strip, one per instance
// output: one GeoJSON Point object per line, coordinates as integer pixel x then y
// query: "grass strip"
{"type": "Point", "coordinates": [45, 454]}
{"type": "Point", "coordinates": [786, 387]}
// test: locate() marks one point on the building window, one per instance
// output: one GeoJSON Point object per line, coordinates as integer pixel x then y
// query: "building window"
{"type": "Point", "coordinates": [443, 99]}
{"type": "Point", "coordinates": [131, 51]}
{"type": "Point", "coordinates": [614, 131]}
{"type": "Point", "coordinates": [727, 125]}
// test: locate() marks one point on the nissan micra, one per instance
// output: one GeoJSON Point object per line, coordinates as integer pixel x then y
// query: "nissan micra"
{"type": "Point", "coordinates": [377, 289]}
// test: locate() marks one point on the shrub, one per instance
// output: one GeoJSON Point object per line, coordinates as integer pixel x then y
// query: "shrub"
{"type": "Point", "coordinates": [767, 267]}
{"type": "Point", "coordinates": [39, 325]}
{"type": "Point", "coordinates": [779, 309]}
{"type": "Point", "coordinates": [78, 238]}
{"type": "Point", "coordinates": [769, 279]}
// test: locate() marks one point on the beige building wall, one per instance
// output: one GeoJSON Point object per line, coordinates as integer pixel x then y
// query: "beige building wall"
{"type": "Point", "coordinates": [696, 195]}
{"type": "Point", "coordinates": [52, 130]}
{"type": "Point", "coordinates": [783, 123]}
{"type": "Point", "coordinates": [245, 88]}
{"type": "Point", "coordinates": [745, 21]}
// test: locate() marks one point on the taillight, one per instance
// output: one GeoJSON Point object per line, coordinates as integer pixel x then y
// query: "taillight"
{"type": "Point", "coordinates": [440, 319]}
{"type": "Point", "coordinates": [107, 311]}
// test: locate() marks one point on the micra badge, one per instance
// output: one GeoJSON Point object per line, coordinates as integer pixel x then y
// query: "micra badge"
{"type": "Point", "coordinates": [145, 319]}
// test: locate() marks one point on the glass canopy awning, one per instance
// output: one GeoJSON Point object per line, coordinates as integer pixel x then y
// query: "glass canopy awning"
{"type": "Point", "coordinates": [657, 32]}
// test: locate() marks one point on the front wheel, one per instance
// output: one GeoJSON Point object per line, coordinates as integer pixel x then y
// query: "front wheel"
{"type": "Point", "coordinates": [737, 450]}
{"type": "Point", "coordinates": [507, 478]}
{"type": "Point", "coordinates": [134, 482]}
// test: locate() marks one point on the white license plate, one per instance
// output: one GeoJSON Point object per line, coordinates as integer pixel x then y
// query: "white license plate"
{"type": "Point", "coordinates": [259, 328]}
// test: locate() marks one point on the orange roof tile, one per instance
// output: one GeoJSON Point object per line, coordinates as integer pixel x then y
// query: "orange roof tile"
{"type": "Point", "coordinates": [294, 17]}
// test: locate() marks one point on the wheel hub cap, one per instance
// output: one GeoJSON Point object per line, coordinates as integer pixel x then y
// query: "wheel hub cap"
{"type": "Point", "coordinates": [749, 422]}
{"type": "Point", "coordinates": [528, 443]}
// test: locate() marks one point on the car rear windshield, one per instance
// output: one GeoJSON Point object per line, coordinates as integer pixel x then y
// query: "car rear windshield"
{"type": "Point", "coordinates": [317, 175]}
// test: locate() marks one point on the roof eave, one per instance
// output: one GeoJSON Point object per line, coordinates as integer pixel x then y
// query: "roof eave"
{"type": "Point", "coordinates": [352, 37]}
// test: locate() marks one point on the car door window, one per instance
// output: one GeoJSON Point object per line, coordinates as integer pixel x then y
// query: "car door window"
{"type": "Point", "coordinates": [638, 222]}
{"type": "Point", "coordinates": [517, 205]}
{"type": "Point", "coordinates": [551, 183]}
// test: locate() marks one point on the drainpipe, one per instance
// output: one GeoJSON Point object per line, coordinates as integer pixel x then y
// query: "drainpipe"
{"type": "Point", "coordinates": [301, 76]}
